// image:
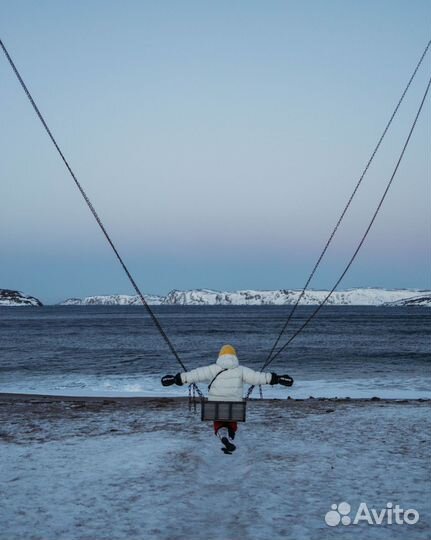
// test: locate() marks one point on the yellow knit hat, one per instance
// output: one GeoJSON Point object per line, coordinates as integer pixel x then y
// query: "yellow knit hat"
{"type": "Point", "coordinates": [227, 349]}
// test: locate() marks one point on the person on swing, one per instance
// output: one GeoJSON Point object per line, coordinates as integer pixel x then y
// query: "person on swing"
{"type": "Point", "coordinates": [226, 379]}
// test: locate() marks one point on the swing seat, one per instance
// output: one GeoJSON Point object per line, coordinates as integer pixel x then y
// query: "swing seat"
{"type": "Point", "coordinates": [223, 411]}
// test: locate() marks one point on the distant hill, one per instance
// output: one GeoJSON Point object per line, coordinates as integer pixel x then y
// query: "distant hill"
{"type": "Point", "coordinates": [422, 300]}
{"type": "Point", "coordinates": [113, 300]}
{"type": "Point", "coordinates": [17, 298]}
{"type": "Point", "coordinates": [208, 297]}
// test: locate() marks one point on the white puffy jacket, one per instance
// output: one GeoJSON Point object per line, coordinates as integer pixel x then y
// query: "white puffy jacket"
{"type": "Point", "coordinates": [228, 386]}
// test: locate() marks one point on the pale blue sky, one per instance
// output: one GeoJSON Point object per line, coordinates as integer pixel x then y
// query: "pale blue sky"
{"type": "Point", "coordinates": [218, 141]}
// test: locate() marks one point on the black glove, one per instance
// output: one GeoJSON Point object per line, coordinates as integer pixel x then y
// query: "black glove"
{"type": "Point", "coordinates": [274, 378]}
{"type": "Point", "coordinates": [285, 380]}
{"type": "Point", "coordinates": [169, 380]}
{"type": "Point", "coordinates": [178, 379]}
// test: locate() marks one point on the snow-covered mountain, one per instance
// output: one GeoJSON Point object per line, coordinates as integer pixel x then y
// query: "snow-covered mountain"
{"type": "Point", "coordinates": [421, 300]}
{"type": "Point", "coordinates": [113, 300]}
{"type": "Point", "coordinates": [208, 297]}
{"type": "Point", "coordinates": [17, 298]}
{"type": "Point", "coordinates": [351, 297]}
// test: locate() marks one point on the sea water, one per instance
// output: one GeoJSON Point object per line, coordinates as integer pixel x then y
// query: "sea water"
{"type": "Point", "coordinates": [116, 350]}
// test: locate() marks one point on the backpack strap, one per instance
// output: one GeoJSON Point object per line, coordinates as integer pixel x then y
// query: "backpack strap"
{"type": "Point", "coordinates": [221, 371]}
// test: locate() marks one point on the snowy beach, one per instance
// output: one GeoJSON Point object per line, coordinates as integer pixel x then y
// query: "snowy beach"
{"type": "Point", "coordinates": [143, 466]}
{"type": "Point", "coordinates": [148, 468]}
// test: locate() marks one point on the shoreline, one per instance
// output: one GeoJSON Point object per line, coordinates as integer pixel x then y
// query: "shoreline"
{"type": "Point", "coordinates": [47, 398]}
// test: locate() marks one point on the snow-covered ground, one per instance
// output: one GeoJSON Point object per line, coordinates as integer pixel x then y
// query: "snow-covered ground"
{"type": "Point", "coordinates": [351, 297]}
{"type": "Point", "coordinates": [152, 470]}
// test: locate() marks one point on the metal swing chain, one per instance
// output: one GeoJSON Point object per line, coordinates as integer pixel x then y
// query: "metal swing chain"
{"type": "Point", "coordinates": [349, 202]}
{"type": "Point", "coordinates": [343, 213]}
{"type": "Point", "coordinates": [360, 244]}
{"type": "Point", "coordinates": [95, 215]}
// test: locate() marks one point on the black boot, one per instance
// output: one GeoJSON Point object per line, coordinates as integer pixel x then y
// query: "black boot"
{"type": "Point", "coordinates": [229, 446]}
{"type": "Point", "coordinates": [223, 435]}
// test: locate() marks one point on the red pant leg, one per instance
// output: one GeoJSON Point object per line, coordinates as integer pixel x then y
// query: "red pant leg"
{"type": "Point", "coordinates": [217, 426]}
{"type": "Point", "coordinates": [233, 426]}
{"type": "Point", "coordinates": [229, 425]}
